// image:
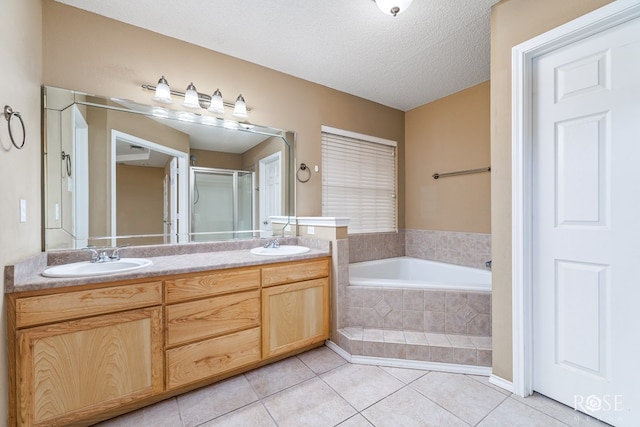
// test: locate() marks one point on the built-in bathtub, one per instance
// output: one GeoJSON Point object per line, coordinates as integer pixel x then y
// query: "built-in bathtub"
{"type": "Point", "coordinates": [420, 310]}
{"type": "Point", "coordinates": [414, 273]}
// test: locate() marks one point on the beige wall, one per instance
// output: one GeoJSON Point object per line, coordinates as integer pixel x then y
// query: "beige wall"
{"type": "Point", "coordinates": [140, 203]}
{"type": "Point", "coordinates": [217, 159]}
{"type": "Point", "coordinates": [512, 22]}
{"type": "Point", "coordinates": [447, 135]}
{"type": "Point", "coordinates": [97, 55]}
{"type": "Point", "coordinates": [20, 56]}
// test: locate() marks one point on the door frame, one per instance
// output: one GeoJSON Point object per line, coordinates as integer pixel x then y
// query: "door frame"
{"type": "Point", "coordinates": [523, 56]}
{"type": "Point", "coordinates": [183, 228]}
{"type": "Point", "coordinates": [81, 179]}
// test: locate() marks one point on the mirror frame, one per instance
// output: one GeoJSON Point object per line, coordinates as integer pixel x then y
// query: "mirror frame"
{"type": "Point", "coordinates": [73, 97]}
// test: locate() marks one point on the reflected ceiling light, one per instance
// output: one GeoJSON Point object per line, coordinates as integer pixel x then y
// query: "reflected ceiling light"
{"type": "Point", "coordinates": [228, 124]}
{"type": "Point", "coordinates": [217, 104]}
{"type": "Point", "coordinates": [240, 108]}
{"type": "Point", "coordinates": [160, 112]}
{"type": "Point", "coordinates": [393, 7]}
{"type": "Point", "coordinates": [163, 92]}
{"type": "Point", "coordinates": [191, 97]}
{"type": "Point", "coordinates": [186, 117]}
{"type": "Point", "coordinates": [208, 120]}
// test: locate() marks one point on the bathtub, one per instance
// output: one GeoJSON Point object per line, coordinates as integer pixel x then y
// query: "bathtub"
{"type": "Point", "coordinates": [415, 273]}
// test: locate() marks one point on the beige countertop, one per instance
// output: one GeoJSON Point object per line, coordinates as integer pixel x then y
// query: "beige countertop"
{"type": "Point", "coordinates": [27, 275]}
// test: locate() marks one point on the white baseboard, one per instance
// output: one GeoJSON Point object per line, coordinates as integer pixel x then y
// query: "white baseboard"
{"type": "Point", "coordinates": [501, 382]}
{"type": "Point", "coordinates": [341, 352]}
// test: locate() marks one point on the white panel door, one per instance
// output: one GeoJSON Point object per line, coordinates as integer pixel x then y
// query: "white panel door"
{"type": "Point", "coordinates": [586, 224]}
{"type": "Point", "coordinates": [270, 171]}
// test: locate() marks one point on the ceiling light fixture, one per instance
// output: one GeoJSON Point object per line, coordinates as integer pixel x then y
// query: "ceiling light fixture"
{"type": "Point", "coordinates": [393, 7]}
{"type": "Point", "coordinates": [194, 99]}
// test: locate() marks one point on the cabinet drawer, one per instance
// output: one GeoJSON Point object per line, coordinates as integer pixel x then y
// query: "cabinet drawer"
{"type": "Point", "coordinates": [295, 272]}
{"type": "Point", "coordinates": [214, 283]}
{"type": "Point", "coordinates": [198, 361]}
{"type": "Point", "coordinates": [190, 321]}
{"type": "Point", "coordinates": [37, 310]}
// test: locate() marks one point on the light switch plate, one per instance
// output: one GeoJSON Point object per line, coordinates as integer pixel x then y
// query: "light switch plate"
{"type": "Point", "coordinates": [23, 210]}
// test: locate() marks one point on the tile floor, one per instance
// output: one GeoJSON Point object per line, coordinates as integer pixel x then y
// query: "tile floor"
{"type": "Point", "coordinates": [319, 388]}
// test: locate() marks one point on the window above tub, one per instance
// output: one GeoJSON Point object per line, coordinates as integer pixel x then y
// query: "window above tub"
{"type": "Point", "coordinates": [359, 180]}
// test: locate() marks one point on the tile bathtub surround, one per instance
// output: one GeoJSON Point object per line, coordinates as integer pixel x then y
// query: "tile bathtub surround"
{"type": "Point", "coordinates": [418, 310]}
{"type": "Point", "coordinates": [367, 247]}
{"type": "Point", "coordinates": [324, 390]}
{"type": "Point", "coordinates": [417, 346]}
{"type": "Point", "coordinates": [470, 249]}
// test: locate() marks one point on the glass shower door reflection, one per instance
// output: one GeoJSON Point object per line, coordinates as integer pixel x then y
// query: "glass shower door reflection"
{"type": "Point", "coordinates": [221, 204]}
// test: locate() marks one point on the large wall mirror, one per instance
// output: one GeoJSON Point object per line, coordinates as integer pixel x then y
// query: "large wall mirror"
{"type": "Point", "coordinates": [117, 172]}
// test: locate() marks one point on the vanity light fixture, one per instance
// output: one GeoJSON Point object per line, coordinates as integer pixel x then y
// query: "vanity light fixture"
{"type": "Point", "coordinates": [240, 109]}
{"type": "Point", "coordinates": [163, 92]}
{"type": "Point", "coordinates": [194, 99]}
{"type": "Point", "coordinates": [393, 7]}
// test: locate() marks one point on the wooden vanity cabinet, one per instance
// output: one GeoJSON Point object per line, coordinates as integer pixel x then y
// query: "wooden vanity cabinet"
{"type": "Point", "coordinates": [295, 306]}
{"type": "Point", "coordinates": [80, 354]}
{"type": "Point", "coordinates": [212, 324]}
{"type": "Point", "coordinates": [71, 364]}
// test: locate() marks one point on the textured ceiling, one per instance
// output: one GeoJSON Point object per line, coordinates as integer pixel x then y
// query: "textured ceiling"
{"type": "Point", "coordinates": [435, 48]}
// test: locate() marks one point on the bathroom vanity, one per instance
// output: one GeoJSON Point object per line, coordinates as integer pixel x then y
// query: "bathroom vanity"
{"type": "Point", "coordinates": [82, 353]}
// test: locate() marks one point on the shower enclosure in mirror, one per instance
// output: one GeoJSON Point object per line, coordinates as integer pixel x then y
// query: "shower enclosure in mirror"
{"type": "Point", "coordinates": [221, 204]}
{"type": "Point", "coordinates": [117, 172]}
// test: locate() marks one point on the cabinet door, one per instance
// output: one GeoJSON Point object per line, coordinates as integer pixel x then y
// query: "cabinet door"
{"type": "Point", "coordinates": [72, 370]}
{"type": "Point", "coordinates": [294, 316]}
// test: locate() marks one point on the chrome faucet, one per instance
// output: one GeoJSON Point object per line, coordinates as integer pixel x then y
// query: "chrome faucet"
{"type": "Point", "coordinates": [102, 256]}
{"type": "Point", "coordinates": [97, 256]}
{"type": "Point", "coordinates": [94, 253]}
{"type": "Point", "coordinates": [272, 244]}
{"type": "Point", "coordinates": [115, 255]}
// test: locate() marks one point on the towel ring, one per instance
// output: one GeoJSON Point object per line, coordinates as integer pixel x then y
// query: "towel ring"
{"type": "Point", "coordinates": [9, 114]}
{"type": "Point", "coordinates": [66, 158]}
{"type": "Point", "coordinates": [303, 167]}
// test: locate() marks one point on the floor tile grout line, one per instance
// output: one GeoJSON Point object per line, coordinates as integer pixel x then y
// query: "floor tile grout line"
{"type": "Point", "coordinates": [492, 410]}
{"type": "Point", "coordinates": [339, 395]}
{"type": "Point", "coordinates": [437, 404]}
{"type": "Point", "coordinates": [541, 411]}
{"type": "Point", "coordinates": [269, 412]}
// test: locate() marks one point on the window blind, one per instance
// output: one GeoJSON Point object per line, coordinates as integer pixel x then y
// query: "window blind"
{"type": "Point", "coordinates": [359, 182]}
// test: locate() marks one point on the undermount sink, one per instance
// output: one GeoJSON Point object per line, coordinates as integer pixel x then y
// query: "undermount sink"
{"type": "Point", "coordinates": [88, 268]}
{"type": "Point", "coordinates": [281, 250]}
